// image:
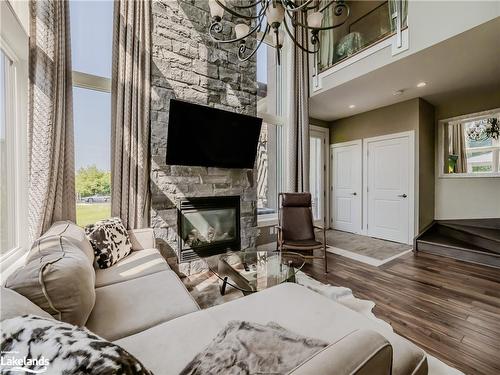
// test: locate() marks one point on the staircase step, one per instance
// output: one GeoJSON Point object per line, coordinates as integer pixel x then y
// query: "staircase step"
{"type": "Point", "coordinates": [439, 244]}
{"type": "Point", "coordinates": [485, 238]}
{"type": "Point", "coordinates": [492, 223]}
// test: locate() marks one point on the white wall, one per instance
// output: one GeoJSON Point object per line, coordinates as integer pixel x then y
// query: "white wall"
{"type": "Point", "coordinates": [467, 198]}
{"type": "Point", "coordinates": [21, 10]}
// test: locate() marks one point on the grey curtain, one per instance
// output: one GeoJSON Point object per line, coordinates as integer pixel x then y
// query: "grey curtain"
{"type": "Point", "coordinates": [327, 46]}
{"type": "Point", "coordinates": [130, 98]}
{"type": "Point", "coordinates": [298, 129]}
{"type": "Point", "coordinates": [393, 8]}
{"type": "Point", "coordinates": [456, 139]}
{"type": "Point", "coordinates": [50, 119]}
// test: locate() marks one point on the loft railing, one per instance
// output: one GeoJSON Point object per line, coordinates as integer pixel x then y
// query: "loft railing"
{"type": "Point", "coordinates": [370, 23]}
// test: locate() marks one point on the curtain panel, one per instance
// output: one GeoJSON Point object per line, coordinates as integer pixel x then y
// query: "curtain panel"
{"type": "Point", "coordinates": [130, 100]}
{"type": "Point", "coordinates": [51, 190]}
{"type": "Point", "coordinates": [298, 129]}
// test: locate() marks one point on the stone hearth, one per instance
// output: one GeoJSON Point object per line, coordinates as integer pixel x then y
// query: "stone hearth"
{"type": "Point", "coordinates": [187, 65]}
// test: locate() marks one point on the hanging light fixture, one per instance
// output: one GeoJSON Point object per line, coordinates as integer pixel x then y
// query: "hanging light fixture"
{"type": "Point", "coordinates": [273, 18]}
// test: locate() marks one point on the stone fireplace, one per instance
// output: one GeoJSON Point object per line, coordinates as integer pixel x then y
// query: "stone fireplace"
{"type": "Point", "coordinates": [187, 65]}
{"type": "Point", "coordinates": [208, 226]}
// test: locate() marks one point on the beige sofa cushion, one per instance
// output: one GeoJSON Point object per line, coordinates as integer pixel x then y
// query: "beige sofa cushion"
{"type": "Point", "coordinates": [359, 353]}
{"type": "Point", "coordinates": [168, 347]}
{"type": "Point", "coordinates": [60, 281]}
{"type": "Point", "coordinates": [132, 306]}
{"type": "Point", "coordinates": [68, 230]}
{"type": "Point", "coordinates": [13, 304]}
{"type": "Point", "coordinates": [137, 264]}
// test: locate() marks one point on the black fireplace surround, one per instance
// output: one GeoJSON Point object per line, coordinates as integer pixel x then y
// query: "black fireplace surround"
{"type": "Point", "coordinates": [208, 226]}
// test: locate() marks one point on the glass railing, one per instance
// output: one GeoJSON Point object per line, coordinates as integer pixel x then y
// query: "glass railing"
{"type": "Point", "coordinates": [369, 23]}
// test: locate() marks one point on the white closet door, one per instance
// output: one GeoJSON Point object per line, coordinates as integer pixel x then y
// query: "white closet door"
{"type": "Point", "coordinates": [388, 187]}
{"type": "Point", "coordinates": [346, 186]}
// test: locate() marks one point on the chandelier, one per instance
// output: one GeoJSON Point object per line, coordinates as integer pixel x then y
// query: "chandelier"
{"type": "Point", "coordinates": [266, 19]}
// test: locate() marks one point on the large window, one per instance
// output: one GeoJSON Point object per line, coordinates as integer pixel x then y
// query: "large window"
{"type": "Point", "coordinates": [91, 50]}
{"type": "Point", "coordinates": [270, 152]}
{"type": "Point", "coordinates": [470, 145]}
{"type": "Point", "coordinates": [6, 234]}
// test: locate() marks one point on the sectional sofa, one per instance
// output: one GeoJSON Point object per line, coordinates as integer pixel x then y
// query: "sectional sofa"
{"type": "Point", "coordinates": [143, 306]}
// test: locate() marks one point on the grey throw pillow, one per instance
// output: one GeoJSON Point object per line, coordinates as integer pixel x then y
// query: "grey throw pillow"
{"type": "Point", "coordinates": [110, 241]}
{"type": "Point", "coordinates": [60, 280]}
{"type": "Point", "coordinates": [51, 347]}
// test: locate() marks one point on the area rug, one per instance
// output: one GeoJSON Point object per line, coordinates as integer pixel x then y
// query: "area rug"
{"type": "Point", "coordinates": [373, 251]}
{"type": "Point", "coordinates": [205, 290]}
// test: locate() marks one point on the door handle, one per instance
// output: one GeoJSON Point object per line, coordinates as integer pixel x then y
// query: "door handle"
{"type": "Point", "coordinates": [402, 195]}
{"type": "Point", "coordinates": [354, 193]}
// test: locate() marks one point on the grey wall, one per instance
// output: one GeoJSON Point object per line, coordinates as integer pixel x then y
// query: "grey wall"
{"type": "Point", "coordinates": [188, 65]}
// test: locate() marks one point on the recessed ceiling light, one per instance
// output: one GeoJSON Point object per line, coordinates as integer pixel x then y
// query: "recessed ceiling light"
{"type": "Point", "coordinates": [421, 84]}
{"type": "Point", "coordinates": [352, 106]}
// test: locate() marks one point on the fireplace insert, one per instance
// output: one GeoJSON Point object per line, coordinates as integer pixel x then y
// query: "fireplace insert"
{"type": "Point", "coordinates": [208, 226]}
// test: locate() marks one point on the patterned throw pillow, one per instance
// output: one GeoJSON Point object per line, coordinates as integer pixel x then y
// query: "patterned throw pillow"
{"type": "Point", "coordinates": [110, 241]}
{"type": "Point", "coordinates": [47, 346]}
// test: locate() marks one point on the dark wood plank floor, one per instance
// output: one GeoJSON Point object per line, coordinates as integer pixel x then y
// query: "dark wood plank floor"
{"type": "Point", "coordinates": [449, 308]}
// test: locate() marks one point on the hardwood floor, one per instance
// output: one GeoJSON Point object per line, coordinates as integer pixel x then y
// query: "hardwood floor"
{"type": "Point", "coordinates": [448, 307]}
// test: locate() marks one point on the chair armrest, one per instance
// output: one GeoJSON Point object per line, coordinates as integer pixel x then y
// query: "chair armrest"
{"type": "Point", "coordinates": [360, 352]}
{"type": "Point", "coordinates": [142, 238]}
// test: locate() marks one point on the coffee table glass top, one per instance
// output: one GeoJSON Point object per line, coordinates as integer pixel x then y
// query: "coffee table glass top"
{"type": "Point", "coordinates": [251, 271]}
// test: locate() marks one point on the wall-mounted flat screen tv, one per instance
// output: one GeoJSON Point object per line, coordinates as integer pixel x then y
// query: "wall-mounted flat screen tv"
{"type": "Point", "coordinates": [204, 136]}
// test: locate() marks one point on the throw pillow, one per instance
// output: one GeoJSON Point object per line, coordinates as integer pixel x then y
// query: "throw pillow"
{"type": "Point", "coordinates": [110, 241]}
{"type": "Point", "coordinates": [60, 280]}
{"type": "Point", "coordinates": [252, 348]}
{"type": "Point", "coordinates": [52, 347]}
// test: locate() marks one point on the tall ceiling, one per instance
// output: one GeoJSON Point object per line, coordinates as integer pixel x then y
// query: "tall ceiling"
{"type": "Point", "coordinates": [470, 60]}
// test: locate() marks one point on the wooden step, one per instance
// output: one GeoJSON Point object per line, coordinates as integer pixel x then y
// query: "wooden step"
{"type": "Point", "coordinates": [436, 243]}
{"type": "Point", "coordinates": [492, 223]}
{"type": "Point", "coordinates": [484, 238]}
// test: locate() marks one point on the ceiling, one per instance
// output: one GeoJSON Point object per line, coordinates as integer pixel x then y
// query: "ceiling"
{"type": "Point", "coordinates": [469, 60]}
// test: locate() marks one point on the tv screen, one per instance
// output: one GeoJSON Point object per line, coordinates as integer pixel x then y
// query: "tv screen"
{"type": "Point", "coordinates": [211, 137]}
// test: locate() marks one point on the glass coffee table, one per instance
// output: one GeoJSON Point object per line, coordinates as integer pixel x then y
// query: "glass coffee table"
{"type": "Point", "coordinates": [251, 271]}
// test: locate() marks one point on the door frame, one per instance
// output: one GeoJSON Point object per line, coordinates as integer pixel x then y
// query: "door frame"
{"type": "Point", "coordinates": [411, 180]}
{"type": "Point", "coordinates": [326, 169]}
{"type": "Point", "coordinates": [357, 142]}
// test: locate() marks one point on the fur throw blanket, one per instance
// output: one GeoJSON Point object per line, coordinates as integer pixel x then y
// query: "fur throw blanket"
{"type": "Point", "coordinates": [251, 348]}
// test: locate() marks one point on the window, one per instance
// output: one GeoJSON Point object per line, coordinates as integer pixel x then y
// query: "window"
{"type": "Point", "coordinates": [91, 50]}
{"type": "Point", "coordinates": [270, 150]}
{"type": "Point", "coordinates": [470, 145]}
{"type": "Point", "coordinates": [6, 234]}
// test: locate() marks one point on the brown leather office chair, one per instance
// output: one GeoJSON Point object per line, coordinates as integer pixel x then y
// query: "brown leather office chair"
{"type": "Point", "coordinates": [296, 226]}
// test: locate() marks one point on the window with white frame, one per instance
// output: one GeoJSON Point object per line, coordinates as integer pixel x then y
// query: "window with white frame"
{"type": "Point", "coordinates": [271, 143]}
{"type": "Point", "coordinates": [7, 192]}
{"type": "Point", "coordinates": [91, 52]}
{"type": "Point", "coordinates": [471, 145]}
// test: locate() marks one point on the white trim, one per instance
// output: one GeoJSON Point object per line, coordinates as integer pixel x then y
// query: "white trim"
{"type": "Point", "coordinates": [357, 142]}
{"type": "Point", "coordinates": [8, 50]}
{"type": "Point", "coordinates": [267, 220]}
{"type": "Point", "coordinates": [385, 43]}
{"type": "Point", "coordinates": [326, 177]}
{"type": "Point", "coordinates": [411, 180]}
{"type": "Point", "coordinates": [91, 82]}
{"type": "Point", "coordinates": [363, 258]}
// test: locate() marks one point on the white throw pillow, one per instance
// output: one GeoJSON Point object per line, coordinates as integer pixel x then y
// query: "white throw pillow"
{"type": "Point", "coordinates": [110, 241]}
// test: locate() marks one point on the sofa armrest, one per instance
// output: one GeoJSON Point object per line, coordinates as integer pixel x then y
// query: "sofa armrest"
{"type": "Point", "coordinates": [142, 238]}
{"type": "Point", "coordinates": [362, 352]}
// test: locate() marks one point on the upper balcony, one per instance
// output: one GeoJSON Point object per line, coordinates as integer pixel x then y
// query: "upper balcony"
{"type": "Point", "coordinates": [369, 23]}
{"type": "Point", "coordinates": [386, 47]}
